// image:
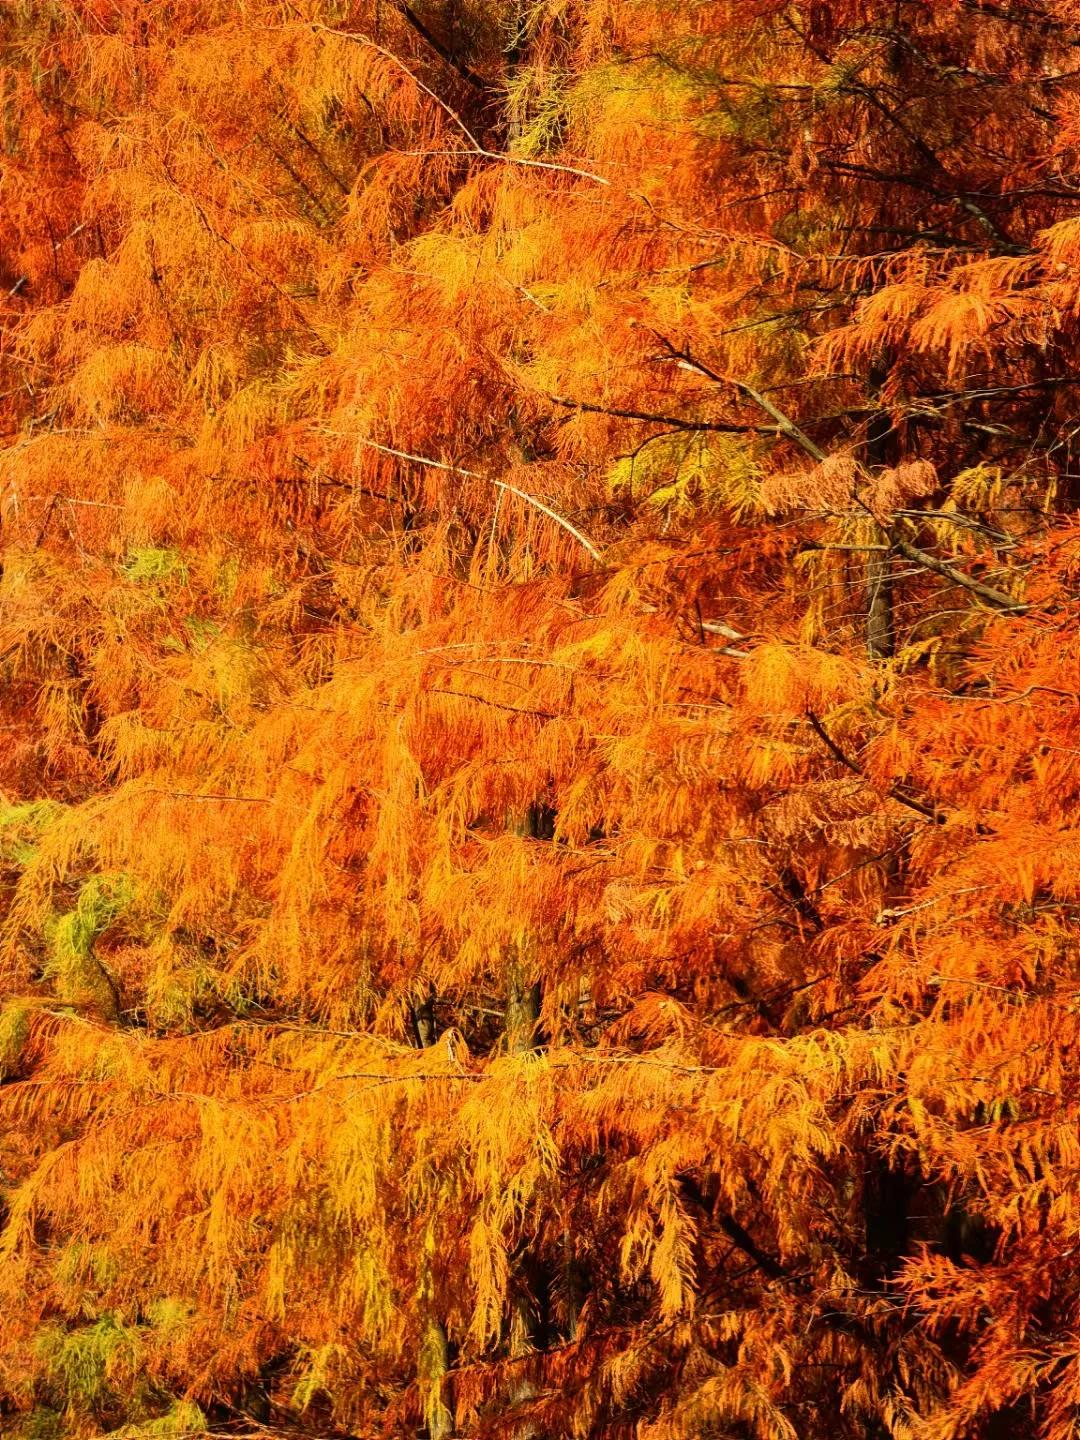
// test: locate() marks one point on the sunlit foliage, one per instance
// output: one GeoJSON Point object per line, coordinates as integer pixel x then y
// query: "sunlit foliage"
{"type": "Point", "coordinates": [539, 843]}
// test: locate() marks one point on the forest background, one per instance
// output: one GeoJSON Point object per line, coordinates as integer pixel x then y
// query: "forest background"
{"type": "Point", "coordinates": [539, 853]}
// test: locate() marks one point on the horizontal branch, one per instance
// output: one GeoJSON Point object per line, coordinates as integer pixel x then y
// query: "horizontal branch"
{"type": "Point", "coordinates": [494, 704]}
{"type": "Point", "coordinates": [205, 795]}
{"type": "Point", "coordinates": [722, 427]}
{"type": "Point", "coordinates": [521, 160]}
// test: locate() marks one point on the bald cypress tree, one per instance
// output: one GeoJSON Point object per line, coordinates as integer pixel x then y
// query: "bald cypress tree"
{"type": "Point", "coordinates": [538, 639]}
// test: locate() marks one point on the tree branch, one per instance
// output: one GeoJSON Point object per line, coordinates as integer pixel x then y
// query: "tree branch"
{"type": "Point", "coordinates": [895, 793]}
{"type": "Point", "coordinates": [997, 598]}
{"type": "Point", "coordinates": [455, 62]}
{"type": "Point", "coordinates": [582, 539]}
{"type": "Point", "coordinates": [784, 423]}
{"type": "Point", "coordinates": [722, 427]}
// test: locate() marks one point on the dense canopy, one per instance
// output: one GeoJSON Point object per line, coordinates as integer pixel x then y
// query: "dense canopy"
{"type": "Point", "coordinates": [539, 641]}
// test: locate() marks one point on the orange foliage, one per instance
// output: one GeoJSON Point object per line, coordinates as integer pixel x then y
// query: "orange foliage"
{"type": "Point", "coordinates": [538, 806]}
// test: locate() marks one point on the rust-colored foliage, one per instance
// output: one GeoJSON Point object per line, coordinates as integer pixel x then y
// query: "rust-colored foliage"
{"type": "Point", "coordinates": [539, 856]}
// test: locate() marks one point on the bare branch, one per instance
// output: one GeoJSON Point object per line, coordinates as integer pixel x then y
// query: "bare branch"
{"type": "Point", "coordinates": [894, 791]}
{"type": "Point", "coordinates": [583, 540]}
{"type": "Point", "coordinates": [722, 427]}
{"type": "Point", "coordinates": [997, 598]}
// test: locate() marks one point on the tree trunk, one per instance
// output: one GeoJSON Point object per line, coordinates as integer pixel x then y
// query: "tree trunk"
{"type": "Point", "coordinates": [880, 445]}
{"type": "Point", "coordinates": [521, 1022]}
{"type": "Point", "coordinates": [433, 1363]}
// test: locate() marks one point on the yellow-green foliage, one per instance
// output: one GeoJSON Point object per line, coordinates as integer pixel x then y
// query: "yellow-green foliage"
{"type": "Point", "coordinates": [681, 475]}
{"type": "Point", "coordinates": [178, 979]}
{"type": "Point", "coordinates": [82, 1266]}
{"type": "Point", "coordinates": [83, 1362]}
{"type": "Point", "coordinates": [14, 1031]}
{"type": "Point", "coordinates": [155, 565]}
{"type": "Point", "coordinates": [183, 1420]}
{"type": "Point", "coordinates": [21, 825]}
{"type": "Point", "coordinates": [70, 938]}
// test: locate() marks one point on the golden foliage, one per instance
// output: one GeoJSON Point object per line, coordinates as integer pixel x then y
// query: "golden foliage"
{"type": "Point", "coordinates": [538, 846]}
